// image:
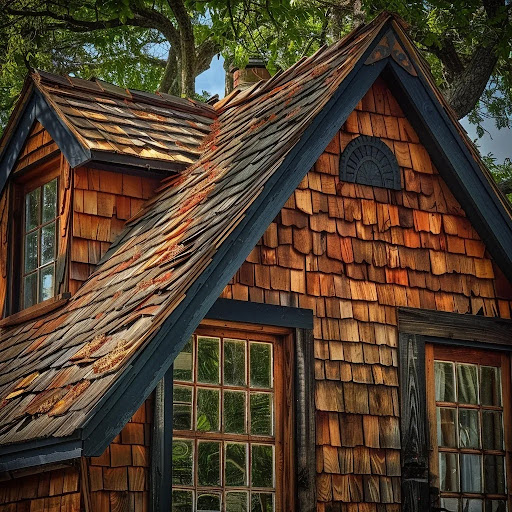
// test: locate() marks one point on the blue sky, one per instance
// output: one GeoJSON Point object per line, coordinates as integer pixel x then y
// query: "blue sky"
{"type": "Point", "coordinates": [497, 142]}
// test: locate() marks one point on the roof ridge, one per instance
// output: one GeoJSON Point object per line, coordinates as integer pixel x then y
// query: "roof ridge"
{"type": "Point", "coordinates": [104, 88]}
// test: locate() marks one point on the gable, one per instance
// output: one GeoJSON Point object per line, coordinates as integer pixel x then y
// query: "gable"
{"type": "Point", "coordinates": [38, 145]}
{"type": "Point", "coordinates": [364, 249]}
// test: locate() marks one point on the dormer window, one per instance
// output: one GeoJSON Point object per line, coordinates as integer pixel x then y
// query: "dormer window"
{"type": "Point", "coordinates": [39, 243]}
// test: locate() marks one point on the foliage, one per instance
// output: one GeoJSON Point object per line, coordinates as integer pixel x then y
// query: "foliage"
{"type": "Point", "coordinates": [165, 44]}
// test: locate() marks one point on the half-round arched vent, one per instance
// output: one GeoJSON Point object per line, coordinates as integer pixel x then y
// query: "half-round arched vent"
{"type": "Point", "coordinates": [368, 161]}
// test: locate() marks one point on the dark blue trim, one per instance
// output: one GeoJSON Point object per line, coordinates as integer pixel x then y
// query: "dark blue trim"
{"type": "Point", "coordinates": [38, 109]}
{"type": "Point", "coordinates": [456, 164]}
{"type": "Point", "coordinates": [38, 452]}
{"type": "Point", "coordinates": [256, 313]}
{"type": "Point", "coordinates": [117, 406]}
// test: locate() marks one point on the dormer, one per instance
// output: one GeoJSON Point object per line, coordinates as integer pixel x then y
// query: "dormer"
{"type": "Point", "coordinates": [78, 159]}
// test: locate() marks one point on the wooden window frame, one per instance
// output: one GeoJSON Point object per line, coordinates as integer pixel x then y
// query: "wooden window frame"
{"type": "Point", "coordinates": [417, 329]}
{"type": "Point", "coordinates": [295, 485]}
{"type": "Point", "coordinates": [499, 359]}
{"type": "Point", "coordinates": [22, 183]}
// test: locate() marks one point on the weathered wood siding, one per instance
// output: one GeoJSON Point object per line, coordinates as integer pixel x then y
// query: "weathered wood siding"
{"type": "Point", "coordinates": [119, 478]}
{"type": "Point", "coordinates": [102, 202]}
{"type": "Point", "coordinates": [39, 144]}
{"type": "Point", "coordinates": [354, 254]}
{"type": "Point", "coordinates": [50, 491]}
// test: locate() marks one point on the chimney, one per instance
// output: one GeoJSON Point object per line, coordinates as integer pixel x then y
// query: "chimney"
{"type": "Point", "coordinates": [252, 73]}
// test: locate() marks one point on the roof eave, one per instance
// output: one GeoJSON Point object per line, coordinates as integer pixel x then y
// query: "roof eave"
{"type": "Point", "coordinates": [40, 452]}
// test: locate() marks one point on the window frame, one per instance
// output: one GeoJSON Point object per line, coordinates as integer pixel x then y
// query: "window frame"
{"type": "Point", "coordinates": [23, 182]}
{"type": "Point", "coordinates": [297, 475]}
{"type": "Point", "coordinates": [417, 330]}
{"type": "Point", "coordinates": [29, 187]}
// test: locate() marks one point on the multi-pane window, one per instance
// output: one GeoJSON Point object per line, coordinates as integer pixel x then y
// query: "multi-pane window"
{"type": "Point", "coordinates": [224, 421]}
{"type": "Point", "coordinates": [471, 413]}
{"type": "Point", "coordinates": [40, 226]}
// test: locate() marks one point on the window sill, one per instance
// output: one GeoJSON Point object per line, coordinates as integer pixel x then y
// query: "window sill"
{"type": "Point", "coordinates": [35, 311]}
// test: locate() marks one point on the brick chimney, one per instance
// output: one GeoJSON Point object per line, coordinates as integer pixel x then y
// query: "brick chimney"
{"type": "Point", "coordinates": [244, 78]}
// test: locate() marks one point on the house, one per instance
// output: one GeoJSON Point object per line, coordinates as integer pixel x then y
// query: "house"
{"type": "Point", "coordinates": [297, 298]}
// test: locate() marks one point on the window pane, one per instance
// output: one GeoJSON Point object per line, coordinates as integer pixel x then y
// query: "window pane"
{"type": "Point", "coordinates": [182, 461]}
{"type": "Point", "coordinates": [491, 385]}
{"type": "Point", "coordinates": [31, 252]}
{"type": "Point", "coordinates": [236, 464]}
{"type": "Point", "coordinates": [492, 434]}
{"type": "Point", "coordinates": [446, 429]}
{"type": "Point", "coordinates": [261, 414]}
{"type": "Point", "coordinates": [472, 505]}
{"type": "Point", "coordinates": [494, 474]}
{"type": "Point", "coordinates": [448, 472]}
{"type": "Point", "coordinates": [471, 473]}
{"type": "Point", "coordinates": [469, 428]}
{"type": "Point", "coordinates": [208, 360]}
{"type": "Point", "coordinates": [32, 209]}
{"type": "Point", "coordinates": [262, 465]}
{"type": "Point", "coordinates": [182, 408]}
{"type": "Point", "coordinates": [234, 412]}
{"type": "Point", "coordinates": [208, 410]}
{"type": "Point", "coordinates": [208, 463]}
{"type": "Point", "coordinates": [182, 501]}
{"type": "Point", "coordinates": [50, 201]}
{"type": "Point", "coordinates": [236, 501]}
{"type": "Point", "coordinates": [445, 383]}
{"type": "Point", "coordinates": [208, 503]}
{"type": "Point", "coordinates": [234, 362]}
{"type": "Point", "coordinates": [450, 504]}
{"type": "Point", "coordinates": [48, 243]}
{"type": "Point", "coordinates": [182, 366]}
{"type": "Point", "coordinates": [495, 506]}
{"type": "Point", "coordinates": [30, 290]}
{"type": "Point", "coordinates": [47, 283]}
{"type": "Point", "coordinates": [467, 384]}
{"type": "Point", "coordinates": [262, 502]}
{"type": "Point", "coordinates": [261, 365]}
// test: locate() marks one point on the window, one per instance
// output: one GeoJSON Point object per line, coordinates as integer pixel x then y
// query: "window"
{"type": "Point", "coordinates": [40, 227]}
{"type": "Point", "coordinates": [455, 415]}
{"type": "Point", "coordinates": [229, 424]}
{"type": "Point", "coordinates": [468, 394]}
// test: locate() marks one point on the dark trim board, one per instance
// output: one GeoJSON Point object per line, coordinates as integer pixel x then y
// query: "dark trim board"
{"type": "Point", "coordinates": [256, 313]}
{"type": "Point", "coordinates": [36, 453]}
{"type": "Point", "coordinates": [453, 326]}
{"type": "Point", "coordinates": [161, 446]}
{"type": "Point", "coordinates": [129, 391]}
{"type": "Point", "coordinates": [37, 109]}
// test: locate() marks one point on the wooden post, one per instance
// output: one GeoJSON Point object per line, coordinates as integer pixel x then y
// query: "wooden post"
{"type": "Point", "coordinates": [305, 420]}
{"type": "Point", "coordinates": [161, 446]}
{"type": "Point", "coordinates": [415, 478]}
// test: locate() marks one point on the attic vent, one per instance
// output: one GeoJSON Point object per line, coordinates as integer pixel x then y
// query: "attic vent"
{"type": "Point", "coordinates": [368, 161]}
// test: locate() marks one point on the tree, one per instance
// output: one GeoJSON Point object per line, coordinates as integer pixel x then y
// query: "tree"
{"type": "Point", "coordinates": [165, 44]}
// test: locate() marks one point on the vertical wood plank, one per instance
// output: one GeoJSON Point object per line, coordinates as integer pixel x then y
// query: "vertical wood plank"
{"type": "Point", "coordinates": [305, 420]}
{"type": "Point", "coordinates": [415, 485]}
{"type": "Point", "coordinates": [161, 446]}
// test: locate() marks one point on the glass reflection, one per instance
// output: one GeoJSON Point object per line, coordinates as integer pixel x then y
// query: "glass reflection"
{"type": "Point", "coordinates": [208, 360]}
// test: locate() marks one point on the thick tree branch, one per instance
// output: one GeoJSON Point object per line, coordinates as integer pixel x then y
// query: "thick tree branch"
{"type": "Point", "coordinates": [506, 186]}
{"type": "Point", "coordinates": [187, 46]}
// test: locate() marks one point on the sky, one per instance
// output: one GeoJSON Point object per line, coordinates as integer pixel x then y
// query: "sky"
{"type": "Point", "coordinates": [497, 142]}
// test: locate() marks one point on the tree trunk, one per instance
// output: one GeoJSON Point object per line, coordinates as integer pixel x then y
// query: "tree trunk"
{"type": "Point", "coordinates": [467, 87]}
{"type": "Point", "coordinates": [169, 82]}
